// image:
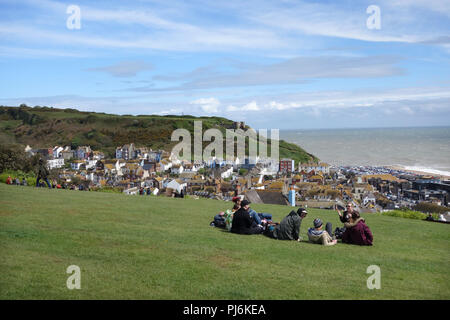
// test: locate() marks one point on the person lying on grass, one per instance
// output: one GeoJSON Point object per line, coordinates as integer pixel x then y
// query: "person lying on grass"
{"type": "Point", "coordinates": [320, 236]}
{"type": "Point", "coordinates": [357, 232]}
{"type": "Point", "coordinates": [289, 227]}
{"type": "Point", "coordinates": [242, 222]}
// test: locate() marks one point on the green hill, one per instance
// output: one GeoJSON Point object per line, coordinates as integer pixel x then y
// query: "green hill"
{"type": "Point", "coordinates": [44, 127]}
{"type": "Point", "coordinates": [145, 247]}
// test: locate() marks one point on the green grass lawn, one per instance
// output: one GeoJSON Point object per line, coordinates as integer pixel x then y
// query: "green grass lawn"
{"type": "Point", "coordinates": [145, 247]}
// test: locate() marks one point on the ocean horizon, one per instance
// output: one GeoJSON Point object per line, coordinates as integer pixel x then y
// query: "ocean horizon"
{"type": "Point", "coordinates": [424, 149]}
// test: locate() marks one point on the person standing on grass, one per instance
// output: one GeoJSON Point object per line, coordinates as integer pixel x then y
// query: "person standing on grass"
{"type": "Point", "coordinates": [289, 227]}
{"type": "Point", "coordinates": [42, 174]}
{"type": "Point", "coordinates": [357, 232]}
{"type": "Point", "coordinates": [242, 222]}
{"type": "Point", "coordinates": [320, 236]}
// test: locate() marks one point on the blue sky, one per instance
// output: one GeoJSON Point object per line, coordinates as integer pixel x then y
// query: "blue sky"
{"type": "Point", "coordinates": [274, 64]}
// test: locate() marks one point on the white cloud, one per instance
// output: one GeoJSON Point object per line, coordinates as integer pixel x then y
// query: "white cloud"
{"type": "Point", "coordinates": [251, 106]}
{"type": "Point", "coordinates": [207, 104]}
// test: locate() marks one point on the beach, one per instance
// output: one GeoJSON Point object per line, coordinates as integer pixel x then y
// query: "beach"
{"type": "Point", "coordinates": [424, 172]}
{"type": "Point", "coordinates": [424, 150]}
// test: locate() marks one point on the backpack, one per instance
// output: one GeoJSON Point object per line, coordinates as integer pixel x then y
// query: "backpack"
{"type": "Point", "coordinates": [339, 232]}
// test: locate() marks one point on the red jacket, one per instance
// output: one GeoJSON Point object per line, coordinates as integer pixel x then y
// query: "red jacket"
{"type": "Point", "coordinates": [357, 233]}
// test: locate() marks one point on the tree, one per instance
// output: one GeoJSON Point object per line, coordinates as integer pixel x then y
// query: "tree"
{"type": "Point", "coordinates": [243, 172]}
{"type": "Point", "coordinates": [12, 157]}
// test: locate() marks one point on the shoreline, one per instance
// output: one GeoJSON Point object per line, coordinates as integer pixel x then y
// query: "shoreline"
{"type": "Point", "coordinates": [419, 172]}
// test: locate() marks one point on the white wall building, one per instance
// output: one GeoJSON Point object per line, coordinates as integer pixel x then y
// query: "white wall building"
{"type": "Point", "coordinates": [55, 163]}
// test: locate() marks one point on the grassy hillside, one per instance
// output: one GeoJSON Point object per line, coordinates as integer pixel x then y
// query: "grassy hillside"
{"type": "Point", "coordinates": [44, 127]}
{"type": "Point", "coordinates": [139, 247]}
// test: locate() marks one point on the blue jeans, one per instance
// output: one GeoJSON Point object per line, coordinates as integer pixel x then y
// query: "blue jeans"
{"type": "Point", "coordinates": [258, 216]}
{"type": "Point", "coordinates": [46, 180]}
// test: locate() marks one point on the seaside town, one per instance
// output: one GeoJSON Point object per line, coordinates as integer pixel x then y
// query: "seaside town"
{"type": "Point", "coordinates": [142, 171]}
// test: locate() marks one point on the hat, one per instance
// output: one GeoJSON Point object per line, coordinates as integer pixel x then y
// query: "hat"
{"type": "Point", "coordinates": [301, 212]}
{"type": "Point", "coordinates": [236, 199]}
{"type": "Point", "coordinates": [245, 203]}
{"type": "Point", "coordinates": [317, 223]}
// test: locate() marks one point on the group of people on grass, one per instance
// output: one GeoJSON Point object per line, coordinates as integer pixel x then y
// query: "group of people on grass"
{"type": "Point", "coordinates": [241, 219]}
{"type": "Point", "coordinates": [16, 181]}
{"type": "Point", "coordinates": [42, 180]}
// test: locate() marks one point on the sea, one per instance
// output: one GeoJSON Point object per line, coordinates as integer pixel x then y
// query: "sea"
{"type": "Point", "coordinates": [425, 149]}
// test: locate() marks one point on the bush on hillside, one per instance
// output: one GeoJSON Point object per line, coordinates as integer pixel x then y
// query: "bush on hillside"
{"type": "Point", "coordinates": [427, 207]}
{"type": "Point", "coordinates": [410, 214]}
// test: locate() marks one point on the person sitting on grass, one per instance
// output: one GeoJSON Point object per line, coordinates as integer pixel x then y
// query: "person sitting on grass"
{"type": "Point", "coordinates": [242, 222]}
{"type": "Point", "coordinates": [289, 227]}
{"type": "Point", "coordinates": [357, 232]}
{"type": "Point", "coordinates": [259, 218]}
{"type": "Point", "coordinates": [237, 200]}
{"type": "Point", "coordinates": [344, 217]}
{"type": "Point", "coordinates": [320, 236]}
{"type": "Point", "coordinates": [219, 220]}
{"type": "Point", "coordinates": [229, 216]}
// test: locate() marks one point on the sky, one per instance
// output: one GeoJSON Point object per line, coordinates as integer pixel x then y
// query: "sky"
{"type": "Point", "coordinates": [274, 64]}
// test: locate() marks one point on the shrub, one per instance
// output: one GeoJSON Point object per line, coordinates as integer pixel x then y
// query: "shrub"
{"type": "Point", "coordinates": [430, 207]}
{"type": "Point", "coordinates": [410, 214]}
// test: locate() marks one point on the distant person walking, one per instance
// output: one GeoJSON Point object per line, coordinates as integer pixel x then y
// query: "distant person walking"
{"type": "Point", "coordinates": [42, 174]}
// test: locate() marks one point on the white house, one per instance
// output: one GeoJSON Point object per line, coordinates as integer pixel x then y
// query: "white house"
{"type": "Point", "coordinates": [57, 152]}
{"type": "Point", "coordinates": [76, 164]}
{"type": "Point", "coordinates": [308, 167]}
{"type": "Point", "coordinates": [165, 164]}
{"type": "Point", "coordinates": [119, 165]}
{"type": "Point", "coordinates": [55, 163]}
{"type": "Point", "coordinates": [177, 169]}
{"type": "Point", "coordinates": [226, 173]}
{"type": "Point", "coordinates": [176, 185]}
{"type": "Point", "coordinates": [369, 198]}
{"type": "Point", "coordinates": [90, 164]}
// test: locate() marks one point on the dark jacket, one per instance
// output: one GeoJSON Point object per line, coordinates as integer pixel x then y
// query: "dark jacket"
{"type": "Point", "coordinates": [289, 227]}
{"type": "Point", "coordinates": [344, 218]}
{"type": "Point", "coordinates": [43, 171]}
{"type": "Point", "coordinates": [357, 233]}
{"type": "Point", "coordinates": [243, 223]}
